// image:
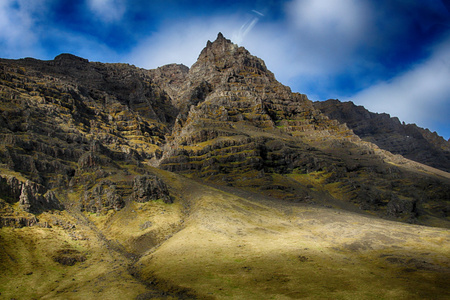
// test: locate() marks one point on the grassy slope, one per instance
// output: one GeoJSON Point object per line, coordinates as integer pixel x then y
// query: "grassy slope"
{"type": "Point", "coordinates": [30, 272]}
{"type": "Point", "coordinates": [226, 245]}
{"type": "Point", "coordinates": [242, 248]}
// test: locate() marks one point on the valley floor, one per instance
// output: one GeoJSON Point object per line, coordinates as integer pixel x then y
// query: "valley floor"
{"type": "Point", "coordinates": [216, 244]}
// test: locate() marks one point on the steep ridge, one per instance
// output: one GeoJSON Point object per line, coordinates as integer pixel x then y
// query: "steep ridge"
{"type": "Point", "coordinates": [388, 133]}
{"type": "Point", "coordinates": [75, 134]}
{"type": "Point", "coordinates": [241, 109]}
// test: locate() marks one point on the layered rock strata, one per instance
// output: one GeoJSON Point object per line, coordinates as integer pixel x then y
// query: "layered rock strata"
{"type": "Point", "coordinates": [87, 133]}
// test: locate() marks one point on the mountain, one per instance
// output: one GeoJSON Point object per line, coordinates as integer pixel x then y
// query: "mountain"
{"type": "Point", "coordinates": [388, 133]}
{"type": "Point", "coordinates": [186, 183]}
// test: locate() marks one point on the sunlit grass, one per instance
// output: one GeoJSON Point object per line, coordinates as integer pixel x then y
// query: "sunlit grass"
{"type": "Point", "coordinates": [30, 272]}
{"type": "Point", "coordinates": [229, 244]}
{"type": "Point", "coordinates": [237, 249]}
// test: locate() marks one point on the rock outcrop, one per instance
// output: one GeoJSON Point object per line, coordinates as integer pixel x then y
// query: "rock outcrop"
{"type": "Point", "coordinates": [102, 197]}
{"type": "Point", "coordinates": [107, 194]}
{"type": "Point", "coordinates": [147, 188]}
{"type": "Point", "coordinates": [18, 222]}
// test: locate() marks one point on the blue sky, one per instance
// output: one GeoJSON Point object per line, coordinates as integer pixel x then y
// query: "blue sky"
{"type": "Point", "coordinates": [391, 56]}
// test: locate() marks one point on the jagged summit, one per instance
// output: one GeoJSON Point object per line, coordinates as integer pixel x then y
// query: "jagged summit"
{"type": "Point", "coordinates": [220, 41]}
{"type": "Point", "coordinates": [224, 56]}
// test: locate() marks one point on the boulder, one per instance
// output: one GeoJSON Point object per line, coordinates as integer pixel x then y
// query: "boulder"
{"type": "Point", "coordinates": [102, 197]}
{"type": "Point", "coordinates": [148, 187]}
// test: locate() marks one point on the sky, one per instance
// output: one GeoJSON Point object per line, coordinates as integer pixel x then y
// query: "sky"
{"type": "Point", "coordinates": [391, 56]}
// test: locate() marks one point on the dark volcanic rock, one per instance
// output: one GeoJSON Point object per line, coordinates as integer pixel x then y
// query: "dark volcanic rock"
{"type": "Point", "coordinates": [397, 207]}
{"type": "Point", "coordinates": [102, 197]}
{"type": "Point", "coordinates": [36, 198]}
{"type": "Point", "coordinates": [17, 222]}
{"type": "Point", "coordinates": [68, 257]}
{"type": "Point", "coordinates": [32, 197]}
{"type": "Point", "coordinates": [107, 194]}
{"type": "Point", "coordinates": [147, 188]}
{"type": "Point", "coordinates": [10, 188]}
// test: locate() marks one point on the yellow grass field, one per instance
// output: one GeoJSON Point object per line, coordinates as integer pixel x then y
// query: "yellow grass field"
{"type": "Point", "coordinates": [214, 243]}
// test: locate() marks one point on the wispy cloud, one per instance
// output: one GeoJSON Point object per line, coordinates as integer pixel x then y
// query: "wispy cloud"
{"type": "Point", "coordinates": [26, 30]}
{"type": "Point", "coordinates": [315, 41]}
{"type": "Point", "coordinates": [326, 22]}
{"type": "Point", "coordinates": [327, 33]}
{"type": "Point", "coordinates": [108, 10]}
{"type": "Point", "coordinates": [239, 36]}
{"type": "Point", "coordinates": [18, 34]}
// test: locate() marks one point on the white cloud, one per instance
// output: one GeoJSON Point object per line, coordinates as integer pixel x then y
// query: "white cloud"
{"type": "Point", "coordinates": [23, 30]}
{"type": "Point", "coordinates": [327, 34]}
{"type": "Point", "coordinates": [318, 40]}
{"type": "Point", "coordinates": [420, 95]}
{"type": "Point", "coordinates": [344, 20]}
{"type": "Point", "coordinates": [239, 36]}
{"type": "Point", "coordinates": [108, 10]}
{"type": "Point", "coordinates": [18, 35]}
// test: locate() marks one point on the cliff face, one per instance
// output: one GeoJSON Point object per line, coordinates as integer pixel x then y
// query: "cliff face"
{"type": "Point", "coordinates": [388, 133]}
{"type": "Point", "coordinates": [242, 121]}
{"type": "Point", "coordinates": [249, 131]}
{"type": "Point", "coordinates": [87, 135]}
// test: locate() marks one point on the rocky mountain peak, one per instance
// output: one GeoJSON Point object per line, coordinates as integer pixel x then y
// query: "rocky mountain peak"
{"type": "Point", "coordinates": [221, 46]}
{"type": "Point", "coordinates": [223, 57]}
